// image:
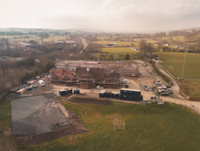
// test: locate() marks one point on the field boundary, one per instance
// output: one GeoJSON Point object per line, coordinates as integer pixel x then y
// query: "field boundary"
{"type": "Point", "coordinates": [168, 71]}
{"type": "Point", "coordinates": [185, 104]}
{"type": "Point", "coordinates": [2, 96]}
{"type": "Point", "coordinates": [162, 75]}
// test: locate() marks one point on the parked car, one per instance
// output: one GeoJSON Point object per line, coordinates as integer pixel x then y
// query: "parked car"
{"type": "Point", "coordinates": [32, 87]}
{"type": "Point", "coordinates": [170, 91]}
{"type": "Point", "coordinates": [146, 88]}
{"type": "Point", "coordinates": [161, 90]}
{"type": "Point", "coordinates": [126, 85]}
{"type": "Point", "coordinates": [162, 87]}
{"type": "Point", "coordinates": [99, 87]}
{"type": "Point", "coordinates": [168, 86]}
{"type": "Point", "coordinates": [164, 93]}
{"type": "Point", "coordinates": [24, 82]}
{"type": "Point", "coordinates": [41, 82]}
{"type": "Point", "coordinates": [125, 81]}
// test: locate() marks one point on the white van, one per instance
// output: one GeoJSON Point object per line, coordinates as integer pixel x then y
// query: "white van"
{"type": "Point", "coordinates": [41, 82]}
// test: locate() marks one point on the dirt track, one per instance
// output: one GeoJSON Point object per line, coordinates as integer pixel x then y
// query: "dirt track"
{"type": "Point", "coordinates": [88, 100]}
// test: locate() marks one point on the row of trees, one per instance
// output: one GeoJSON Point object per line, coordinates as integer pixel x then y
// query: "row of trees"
{"type": "Point", "coordinates": [13, 72]}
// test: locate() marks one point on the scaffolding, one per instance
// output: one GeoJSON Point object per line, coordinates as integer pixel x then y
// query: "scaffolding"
{"type": "Point", "coordinates": [118, 67]}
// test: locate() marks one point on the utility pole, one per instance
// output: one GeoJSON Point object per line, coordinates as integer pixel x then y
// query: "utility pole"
{"type": "Point", "coordinates": [98, 54]}
{"type": "Point", "coordinates": [159, 55]}
{"type": "Point", "coordinates": [183, 65]}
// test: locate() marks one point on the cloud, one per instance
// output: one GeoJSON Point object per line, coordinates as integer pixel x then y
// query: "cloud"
{"type": "Point", "coordinates": [107, 15]}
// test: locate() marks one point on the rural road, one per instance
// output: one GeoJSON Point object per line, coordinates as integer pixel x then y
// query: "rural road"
{"type": "Point", "coordinates": [84, 44]}
{"type": "Point", "coordinates": [176, 91]}
{"type": "Point", "coordinates": [175, 86]}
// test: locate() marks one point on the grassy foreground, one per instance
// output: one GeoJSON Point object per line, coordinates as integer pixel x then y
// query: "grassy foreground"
{"type": "Point", "coordinates": [6, 142]}
{"type": "Point", "coordinates": [4, 114]}
{"type": "Point", "coordinates": [156, 127]}
{"type": "Point", "coordinates": [191, 88]}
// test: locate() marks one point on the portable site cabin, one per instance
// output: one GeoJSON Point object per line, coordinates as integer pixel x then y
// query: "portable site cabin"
{"type": "Point", "coordinates": [76, 91]}
{"type": "Point", "coordinates": [108, 94]}
{"type": "Point", "coordinates": [102, 93]}
{"type": "Point", "coordinates": [130, 94]}
{"type": "Point", "coordinates": [65, 92]}
{"type": "Point", "coordinates": [115, 95]}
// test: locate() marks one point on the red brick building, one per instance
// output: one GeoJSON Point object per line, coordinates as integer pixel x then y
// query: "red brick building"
{"type": "Point", "coordinates": [86, 78]}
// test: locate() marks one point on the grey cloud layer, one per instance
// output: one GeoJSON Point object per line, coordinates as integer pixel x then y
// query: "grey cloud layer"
{"type": "Point", "coordinates": [119, 15]}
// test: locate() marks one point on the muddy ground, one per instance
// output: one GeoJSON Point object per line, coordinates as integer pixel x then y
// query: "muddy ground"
{"type": "Point", "coordinates": [87, 100]}
{"type": "Point", "coordinates": [76, 127]}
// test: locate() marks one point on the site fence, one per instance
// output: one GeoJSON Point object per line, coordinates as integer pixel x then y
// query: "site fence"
{"type": "Point", "coordinates": [182, 102]}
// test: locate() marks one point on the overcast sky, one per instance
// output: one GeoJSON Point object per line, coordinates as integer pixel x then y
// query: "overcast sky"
{"type": "Point", "coordinates": [102, 15]}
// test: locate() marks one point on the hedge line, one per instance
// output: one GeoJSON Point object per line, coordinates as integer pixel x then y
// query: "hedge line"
{"type": "Point", "coordinates": [163, 76]}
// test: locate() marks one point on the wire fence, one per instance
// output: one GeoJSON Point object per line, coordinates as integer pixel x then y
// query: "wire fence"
{"type": "Point", "coordinates": [183, 102]}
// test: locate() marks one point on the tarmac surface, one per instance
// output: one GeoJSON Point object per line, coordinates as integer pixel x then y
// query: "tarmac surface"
{"type": "Point", "coordinates": [36, 115]}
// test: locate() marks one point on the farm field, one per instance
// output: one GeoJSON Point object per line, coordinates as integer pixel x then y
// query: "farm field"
{"type": "Point", "coordinates": [136, 41]}
{"type": "Point", "coordinates": [191, 88]}
{"type": "Point", "coordinates": [33, 37]}
{"type": "Point", "coordinates": [154, 127]}
{"type": "Point", "coordinates": [21, 40]}
{"type": "Point", "coordinates": [102, 38]}
{"type": "Point", "coordinates": [117, 42]}
{"type": "Point", "coordinates": [175, 60]}
{"type": "Point", "coordinates": [180, 38]}
{"type": "Point", "coordinates": [133, 55]}
{"type": "Point", "coordinates": [116, 51]}
{"type": "Point", "coordinates": [55, 38]}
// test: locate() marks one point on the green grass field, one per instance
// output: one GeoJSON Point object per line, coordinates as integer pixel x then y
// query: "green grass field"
{"type": "Point", "coordinates": [118, 49]}
{"type": "Point", "coordinates": [21, 40]}
{"type": "Point", "coordinates": [167, 127]}
{"type": "Point", "coordinates": [116, 55]}
{"type": "Point", "coordinates": [101, 40]}
{"type": "Point", "coordinates": [117, 42]}
{"type": "Point", "coordinates": [191, 88]}
{"type": "Point", "coordinates": [4, 114]}
{"type": "Point", "coordinates": [180, 38]}
{"type": "Point", "coordinates": [36, 38]}
{"type": "Point", "coordinates": [175, 60]}
{"type": "Point", "coordinates": [55, 38]}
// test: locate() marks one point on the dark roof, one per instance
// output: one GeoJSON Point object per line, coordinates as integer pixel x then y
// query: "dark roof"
{"type": "Point", "coordinates": [61, 73]}
{"type": "Point", "coordinates": [93, 72]}
{"type": "Point", "coordinates": [32, 42]}
{"type": "Point", "coordinates": [97, 72]}
{"type": "Point", "coordinates": [113, 75]}
{"type": "Point", "coordinates": [81, 71]}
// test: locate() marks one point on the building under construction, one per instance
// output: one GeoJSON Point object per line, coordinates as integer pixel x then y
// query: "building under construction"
{"type": "Point", "coordinates": [91, 74]}
{"type": "Point", "coordinates": [121, 67]}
